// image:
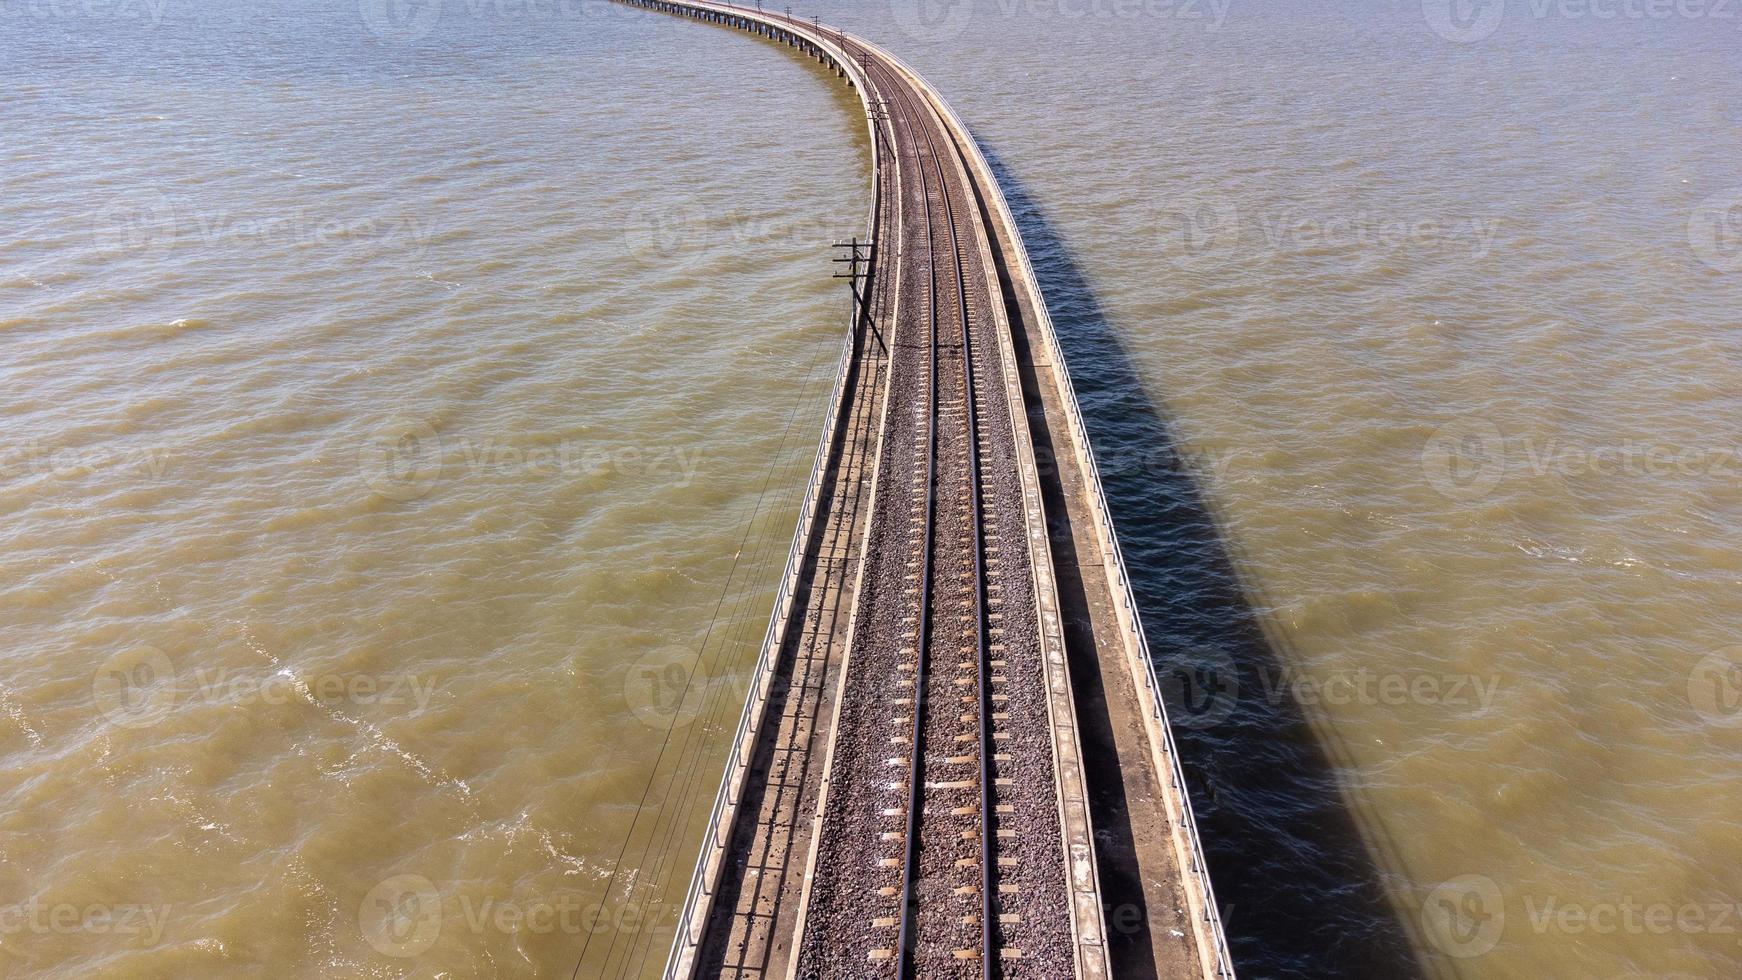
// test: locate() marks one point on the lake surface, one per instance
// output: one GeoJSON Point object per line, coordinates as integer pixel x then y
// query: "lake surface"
{"type": "Point", "coordinates": [399, 397]}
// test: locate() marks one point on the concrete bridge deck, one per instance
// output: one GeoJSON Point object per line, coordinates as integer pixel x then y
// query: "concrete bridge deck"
{"type": "Point", "coordinates": [954, 760]}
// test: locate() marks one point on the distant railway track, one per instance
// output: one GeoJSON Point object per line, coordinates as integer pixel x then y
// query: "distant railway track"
{"type": "Point", "coordinates": [973, 822]}
{"type": "Point", "coordinates": [911, 730]}
{"type": "Point", "coordinates": [942, 905]}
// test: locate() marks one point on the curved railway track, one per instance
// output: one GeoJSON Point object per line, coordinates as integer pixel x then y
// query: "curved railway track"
{"type": "Point", "coordinates": [979, 719]}
{"type": "Point", "coordinates": [942, 906]}
{"type": "Point", "coordinates": [923, 751]}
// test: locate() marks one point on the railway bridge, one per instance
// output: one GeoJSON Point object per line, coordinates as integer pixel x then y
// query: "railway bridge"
{"type": "Point", "coordinates": [953, 760]}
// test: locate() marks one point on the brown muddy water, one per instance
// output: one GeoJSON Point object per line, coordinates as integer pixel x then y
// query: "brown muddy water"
{"type": "Point", "coordinates": [398, 398]}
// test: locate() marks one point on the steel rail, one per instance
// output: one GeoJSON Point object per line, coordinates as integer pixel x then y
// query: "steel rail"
{"type": "Point", "coordinates": [988, 953]}
{"type": "Point", "coordinates": [1126, 607]}
{"type": "Point", "coordinates": [922, 649]}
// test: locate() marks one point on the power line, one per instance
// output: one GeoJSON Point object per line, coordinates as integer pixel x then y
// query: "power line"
{"type": "Point", "coordinates": [653, 773]}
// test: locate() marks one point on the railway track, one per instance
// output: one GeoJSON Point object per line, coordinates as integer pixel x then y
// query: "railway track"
{"type": "Point", "coordinates": [965, 862]}
{"type": "Point", "coordinates": [924, 754]}
{"type": "Point", "coordinates": [972, 822]}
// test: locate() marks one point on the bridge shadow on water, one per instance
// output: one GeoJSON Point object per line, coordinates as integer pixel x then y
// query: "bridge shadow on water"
{"type": "Point", "coordinates": [1300, 893]}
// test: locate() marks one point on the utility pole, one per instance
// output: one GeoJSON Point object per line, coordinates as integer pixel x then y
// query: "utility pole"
{"type": "Point", "coordinates": [854, 276]}
{"type": "Point", "coordinates": [880, 117]}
